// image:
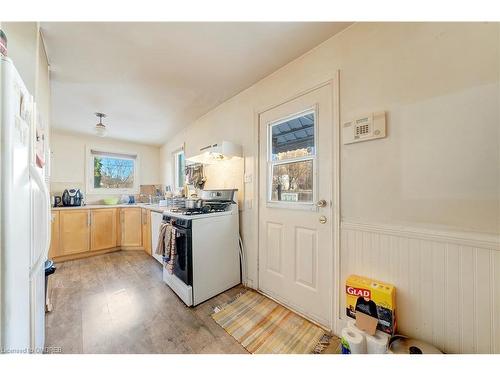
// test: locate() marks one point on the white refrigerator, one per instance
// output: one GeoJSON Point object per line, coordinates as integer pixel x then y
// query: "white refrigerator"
{"type": "Point", "coordinates": [25, 216]}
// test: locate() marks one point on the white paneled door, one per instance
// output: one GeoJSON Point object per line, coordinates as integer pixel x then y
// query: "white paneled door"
{"type": "Point", "coordinates": [295, 210]}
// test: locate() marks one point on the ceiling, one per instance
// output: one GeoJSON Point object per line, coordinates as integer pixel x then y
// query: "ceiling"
{"type": "Point", "coordinates": [152, 79]}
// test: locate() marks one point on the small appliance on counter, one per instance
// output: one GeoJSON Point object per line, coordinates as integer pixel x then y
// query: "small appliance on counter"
{"type": "Point", "coordinates": [56, 201]}
{"type": "Point", "coordinates": [72, 197]}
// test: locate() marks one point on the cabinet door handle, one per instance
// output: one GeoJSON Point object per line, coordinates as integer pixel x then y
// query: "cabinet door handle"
{"type": "Point", "coordinates": [89, 218]}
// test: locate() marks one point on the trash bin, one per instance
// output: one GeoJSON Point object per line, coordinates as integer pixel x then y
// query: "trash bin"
{"type": "Point", "coordinates": [50, 268]}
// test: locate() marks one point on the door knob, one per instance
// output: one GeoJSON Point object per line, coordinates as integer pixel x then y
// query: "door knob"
{"type": "Point", "coordinates": [321, 203]}
{"type": "Point", "coordinates": [322, 219]}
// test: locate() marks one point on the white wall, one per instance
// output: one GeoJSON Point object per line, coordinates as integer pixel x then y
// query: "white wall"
{"type": "Point", "coordinates": [436, 173]}
{"type": "Point", "coordinates": [68, 161]}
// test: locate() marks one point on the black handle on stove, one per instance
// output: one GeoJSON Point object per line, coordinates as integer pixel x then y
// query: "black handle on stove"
{"type": "Point", "coordinates": [183, 231]}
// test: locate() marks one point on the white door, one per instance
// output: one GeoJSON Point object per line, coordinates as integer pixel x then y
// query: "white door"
{"type": "Point", "coordinates": [295, 195]}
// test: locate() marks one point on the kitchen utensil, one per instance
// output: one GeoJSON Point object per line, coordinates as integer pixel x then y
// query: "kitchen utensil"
{"type": "Point", "coordinates": [193, 203]}
{"type": "Point", "coordinates": [111, 200]}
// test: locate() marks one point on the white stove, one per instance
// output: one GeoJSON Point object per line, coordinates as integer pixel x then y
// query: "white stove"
{"type": "Point", "coordinates": [207, 246]}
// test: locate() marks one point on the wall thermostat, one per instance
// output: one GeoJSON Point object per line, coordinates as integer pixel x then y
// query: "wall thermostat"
{"type": "Point", "coordinates": [364, 128]}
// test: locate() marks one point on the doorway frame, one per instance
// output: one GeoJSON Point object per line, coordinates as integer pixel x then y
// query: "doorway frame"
{"type": "Point", "coordinates": [334, 83]}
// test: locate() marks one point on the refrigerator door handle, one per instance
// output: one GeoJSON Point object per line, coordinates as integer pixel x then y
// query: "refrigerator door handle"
{"type": "Point", "coordinates": [46, 208]}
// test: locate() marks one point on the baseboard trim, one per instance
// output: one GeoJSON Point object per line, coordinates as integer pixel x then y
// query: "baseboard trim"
{"type": "Point", "coordinates": [473, 239]}
{"type": "Point", "coordinates": [88, 254]}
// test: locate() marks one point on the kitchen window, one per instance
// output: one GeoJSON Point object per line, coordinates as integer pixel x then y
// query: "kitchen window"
{"type": "Point", "coordinates": [179, 169]}
{"type": "Point", "coordinates": [111, 173]}
{"type": "Point", "coordinates": [291, 160]}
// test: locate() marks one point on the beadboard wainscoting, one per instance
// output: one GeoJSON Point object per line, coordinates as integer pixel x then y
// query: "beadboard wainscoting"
{"type": "Point", "coordinates": [448, 283]}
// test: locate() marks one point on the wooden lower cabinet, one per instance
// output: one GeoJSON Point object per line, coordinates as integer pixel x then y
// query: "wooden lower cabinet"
{"type": "Point", "coordinates": [78, 233]}
{"type": "Point", "coordinates": [131, 228]}
{"type": "Point", "coordinates": [146, 230]}
{"type": "Point", "coordinates": [74, 231]}
{"type": "Point", "coordinates": [102, 229]}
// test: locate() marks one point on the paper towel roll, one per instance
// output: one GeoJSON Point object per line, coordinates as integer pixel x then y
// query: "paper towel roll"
{"type": "Point", "coordinates": [355, 340]}
{"type": "Point", "coordinates": [377, 344]}
{"type": "Point", "coordinates": [352, 325]}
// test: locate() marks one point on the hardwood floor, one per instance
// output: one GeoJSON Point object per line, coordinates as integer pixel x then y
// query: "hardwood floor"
{"type": "Point", "coordinates": [118, 303]}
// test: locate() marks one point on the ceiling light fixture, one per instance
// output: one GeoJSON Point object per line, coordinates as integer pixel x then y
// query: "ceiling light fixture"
{"type": "Point", "coordinates": [100, 128]}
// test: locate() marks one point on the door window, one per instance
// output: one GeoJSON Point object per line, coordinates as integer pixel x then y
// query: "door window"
{"type": "Point", "coordinates": [292, 159]}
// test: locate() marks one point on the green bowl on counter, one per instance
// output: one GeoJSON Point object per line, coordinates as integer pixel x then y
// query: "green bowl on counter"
{"type": "Point", "coordinates": [111, 201]}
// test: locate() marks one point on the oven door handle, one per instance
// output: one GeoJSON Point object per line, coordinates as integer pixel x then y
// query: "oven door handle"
{"type": "Point", "coordinates": [182, 230]}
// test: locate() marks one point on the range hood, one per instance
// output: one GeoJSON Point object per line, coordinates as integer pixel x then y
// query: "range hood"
{"type": "Point", "coordinates": [216, 152]}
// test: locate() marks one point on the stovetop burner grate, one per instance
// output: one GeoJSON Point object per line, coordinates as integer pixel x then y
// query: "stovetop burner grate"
{"type": "Point", "coordinates": [208, 207]}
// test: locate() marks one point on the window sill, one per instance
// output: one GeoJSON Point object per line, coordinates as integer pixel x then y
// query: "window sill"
{"type": "Point", "coordinates": [292, 205]}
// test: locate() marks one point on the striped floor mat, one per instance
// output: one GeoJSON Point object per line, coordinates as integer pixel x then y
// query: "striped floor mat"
{"type": "Point", "coordinates": [263, 326]}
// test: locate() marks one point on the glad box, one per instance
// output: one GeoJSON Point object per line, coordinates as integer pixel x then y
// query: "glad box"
{"type": "Point", "coordinates": [373, 298]}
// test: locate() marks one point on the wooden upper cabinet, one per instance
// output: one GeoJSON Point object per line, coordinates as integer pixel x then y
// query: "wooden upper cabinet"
{"type": "Point", "coordinates": [54, 236]}
{"type": "Point", "coordinates": [103, 229]}
{"type": "Point", "coordinates": [131, 227]}
{"type": "Point", "coordinates": [74, 231]}
{"type": "Point", "coordinates": [146, 230]}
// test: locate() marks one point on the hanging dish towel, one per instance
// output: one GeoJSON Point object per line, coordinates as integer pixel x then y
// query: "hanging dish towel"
{"type": "Point", "coordinates": [166, 245]}
{"type": "Point", "coordinates": [163, 238]}
{"type": "Point", "coordinates": [171, 252]}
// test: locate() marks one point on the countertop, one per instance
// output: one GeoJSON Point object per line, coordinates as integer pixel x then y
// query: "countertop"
{"type": "Point", "coordinates": [152, 207]}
